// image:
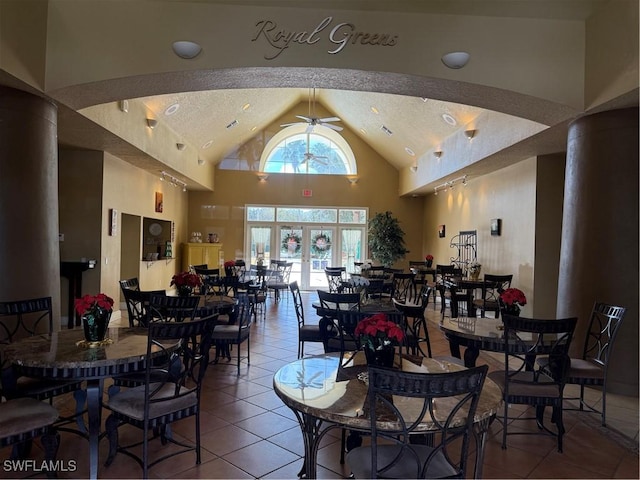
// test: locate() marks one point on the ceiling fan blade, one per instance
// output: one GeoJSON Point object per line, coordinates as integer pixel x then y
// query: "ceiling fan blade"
{"type": "Point", "coordinates": [329, 119]}
{"type": "Point", "coordinates": [309, 128]}
{"type": "Point", "coordinates": [332, 127]}
{"type": "Point", "coordinates": [306, 119]}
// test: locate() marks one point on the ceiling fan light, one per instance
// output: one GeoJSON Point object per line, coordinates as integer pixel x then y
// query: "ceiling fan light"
{"type": "Point", "coordinates": [455, 60]}
{"type": "Point", "coordinates": [186, 49]}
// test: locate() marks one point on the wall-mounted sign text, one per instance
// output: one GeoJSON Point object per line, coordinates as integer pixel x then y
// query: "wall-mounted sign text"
{"type": "Point", "coordinates": [340, 35]}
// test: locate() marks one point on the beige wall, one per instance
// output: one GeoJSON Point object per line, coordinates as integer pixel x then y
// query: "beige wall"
{"type": "Point", "coordinates": [508, 194]}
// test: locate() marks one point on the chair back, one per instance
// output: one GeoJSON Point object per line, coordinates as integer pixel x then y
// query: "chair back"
{"type": "Point", "coordinates": [494, 285]}
{"type": "Point", "coordinates": [404, 287]}
{"type": "Point", "coordinates": [297, 302]}
{"type": "Point", "coordinates": [130, 283]}
{"type": "Point", "coordinates": [525, 338]}
{"type": "Point", "coordinates": [603, 329]}
{"type": "Point", "coordinates": [339, 301]}
{"type": "Point", "coordinates": [402, 403]}
{"type": "Point", "coordinates": [173, 377]}
{"type": "Point", "coordinates": [335, 278]}
{"type": "Point", "coordinates": [164, 308]}
{"type": "Point", "coordinates": [24, 318]}
{"type": "Point", "coordinates": [244, 316]}
{"type": "Point", "coordinates": [137, 302]}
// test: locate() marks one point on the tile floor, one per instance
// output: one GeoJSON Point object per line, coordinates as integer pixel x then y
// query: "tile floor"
{"type": "Point", "coordinates": [248, 433]}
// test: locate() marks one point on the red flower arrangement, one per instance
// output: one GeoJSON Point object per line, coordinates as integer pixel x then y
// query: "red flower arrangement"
{"type": "Point", "coordinates": [93, 304]}
{"type": "Point", "coordinates": [512, 299]}
{"type": "Point", "coordinates": [186, 279]}
{"type": "Point", "coordinates": [229, 263]}
{"type": "Point", "coordinates": [377, 331]}
{"type": "Point", "coordinates": [429, 258]}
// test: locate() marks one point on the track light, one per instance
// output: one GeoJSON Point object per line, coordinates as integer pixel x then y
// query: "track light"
{"type": "Point", "coordinates": [151, 123]}
{"type": "Point", "coordinates": [450, 184]}
{"type": "Point", "coordinates": [173, 181]}
{"type": "Point", "coordinates": [470, 134]}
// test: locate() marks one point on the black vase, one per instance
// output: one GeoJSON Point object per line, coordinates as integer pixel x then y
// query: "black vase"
{"type": "Point", "coordinates": [95, 325]}
{"type": "Point", "coordinates": [380, 358]}
{"type": "Point", "coordinates": [428, 263]}
{"type": "Point", "coordinates": [185, 291]}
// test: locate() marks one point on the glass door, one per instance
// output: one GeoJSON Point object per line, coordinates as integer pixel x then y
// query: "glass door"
{"type": "Point", "coordinates": [320, 252]}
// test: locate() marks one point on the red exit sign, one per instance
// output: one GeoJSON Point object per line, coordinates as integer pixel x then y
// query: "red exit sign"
{"type": "Point", "coordinates": [307, 192]}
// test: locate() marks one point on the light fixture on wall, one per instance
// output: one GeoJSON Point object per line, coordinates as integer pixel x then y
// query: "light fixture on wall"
{"type": "Point", "coordinates": [413, 168]}
{"type": "Point", "coordinates": [123, 105]}
{"type": "Point", "coordinates": [450, 184]}
{"type": "Point", "coordinates": [262, 177]}
{"type": "Point", "coordinates": [186, 49]}
{"type": "Point", "coordinates": [200, 162]}
{"type": "Point", "coordinates": [173, 181]}
{"type": "Point", "coordinates": [470, 133]}
{"type": "Point", "coordinates": [455, 60]}
{"type": "Point", "coordinates": [151, 123]}
{"type": "Point", "coordinates": [437, 154]}
{"type": "Point", "coordinates": [352, 180]}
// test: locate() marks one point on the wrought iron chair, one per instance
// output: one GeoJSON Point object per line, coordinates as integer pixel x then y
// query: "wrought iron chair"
{"type": "Point", "coordinates": [403, 287]}
{"type": "Point", "coordinates": [415, 323]}
{"type": "Point", "coordinates": [336, 278]}
{"type": "Point", "coordinates": [492, 287]}
{"type": "Point", "coordinates": [306, 332]}
{"type": "Point", "coordinates": [167, 394]}
{"type": "Point", "coordinates": [524, 339]}
{"type": "Point", "coordinates": [591, 368]}
{"type": "Point", "coordinates": [279, 279]}
{"type": "Point", "coordinates": [400, 403]}
{"type": "Point", "coordinates": [236, 333]}
{"type": "Point", "coordinates": [130, 283]}
{"type": "Point", "coordinates": [137, 302]}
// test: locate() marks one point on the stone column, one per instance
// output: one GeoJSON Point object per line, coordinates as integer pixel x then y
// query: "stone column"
{"type": "Point", "coordinates": [29, 250]}
{"type": "Point", "coordinates": [599, 253]}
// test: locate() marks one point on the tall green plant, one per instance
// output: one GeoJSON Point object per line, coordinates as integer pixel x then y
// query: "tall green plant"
{"type": "Point", "coordinates": [386, 239]}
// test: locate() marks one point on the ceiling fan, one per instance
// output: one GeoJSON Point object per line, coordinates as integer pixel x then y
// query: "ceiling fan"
{"type": "Point", "coordinates": [309, 157]}
{"type": "Point", "coordinates": [312, 120]}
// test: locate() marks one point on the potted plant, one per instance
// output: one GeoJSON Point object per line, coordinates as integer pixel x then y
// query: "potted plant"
{"type": "Point", "coordinates": [386, 239]}
{"type": "Point", "coordinates": [511, 300]}
{"type": "Point", "coordinates": [95, 311]}
{"type": "Point", "coordinates": [185, 282]}
{"type": "Point", "coordinates": [428, 260]}
{"type": "Point", "coordinates": [378, 336]}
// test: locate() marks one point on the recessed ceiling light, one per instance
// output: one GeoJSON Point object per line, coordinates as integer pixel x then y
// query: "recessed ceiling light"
{"type": "Point", "coordinates": [186, 49]}
{"type": "Point", "coordinates": [207, 145]}
{"type": "Point", "coordinates": [375, 110]}
{"type": "Point", "coordinates": [246, 107]}
{"type": "Point", "coordinates": [171, 109]}
{"type": "Point", "coordinates": [409, 151]}
{"type": "Point", "coordinates": [449, 119]}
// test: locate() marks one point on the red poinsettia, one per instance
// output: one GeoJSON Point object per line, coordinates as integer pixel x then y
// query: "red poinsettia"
{"type": "Point", "coordinates": [378, 330]}
{"type": "Point", "coordinates": [513, 297]}
{"type": "Point", "coordinates": [186, 279]}
{"type": "Point", "coordinates": [229, 263]}
{"type": "Point", "coordinates": [93, 304]}
{"type": "Point", "coordinates": [429, 258]}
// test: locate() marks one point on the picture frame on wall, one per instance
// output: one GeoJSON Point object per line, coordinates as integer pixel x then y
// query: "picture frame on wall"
{"type": "Point", "coordinates": [496, 225]}
{"type": "Point", "coordinates": [159, 206]}
{"type": "Point", "coordinates": [441, 231]}
{"type": "Point", "coordinates": [113, 222]}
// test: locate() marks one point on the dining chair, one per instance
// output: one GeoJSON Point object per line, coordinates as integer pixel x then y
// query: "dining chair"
{"type": "Point", "coordinates": [403, 288]}
{"type": "Point", "coordinates": [130, 283]}
{"type": "Point", "coordinates": [306, 332]}
{"type": "Point", "coordinates": [280, 278]}
{"type": "Point", "coordinates": [523, 384]}
{"type": "Point", "coordinates": [209, 277]}
{"type": "Point", "coordinates": [591, 368]}
{"type": "Point", "coordinates": [22, 421]}
{"type": "Point", "coordinates": [492, 287]}
{"type": "Point", "coordinates": [169, 308]}
{"type": "Point", "coordinates": [415, 323]}
{"type": "Point", "coordinates": [235, 333]}
{"type": "Point", "coordinates": [25, 318]}
{"type": "Point", "coordinates": [137, 302]}
{"type": "Point", "coordinates": [171, 391]}
{"type": "Point", "coordinates": [336, 278]}
{"type": "Point", "coordinates": [400, 404]}
{"type": "Point", "coordinates": [339, 301]}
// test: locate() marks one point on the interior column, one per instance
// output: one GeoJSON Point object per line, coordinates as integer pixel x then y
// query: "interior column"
{"type": "Point", "coordinates": [599, 253]}
{"type": "Point", "coordinates": [30, 256]}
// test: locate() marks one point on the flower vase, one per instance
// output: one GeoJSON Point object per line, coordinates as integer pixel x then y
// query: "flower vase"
{"type": "Point", "coordinates": [475, 274]}
{"type": "Point", "coordinates": [228, 271]}
{"type": "Point", "coordinates": [95, 325]}
{"type": "Point", "coordinates": [184, 291]}
{"type": "Point", "coordinates": [513, 310]}
{"type": "Point", "coordinates": [428, 263]}
{"type": "Point", "coordinates": [381, 357]}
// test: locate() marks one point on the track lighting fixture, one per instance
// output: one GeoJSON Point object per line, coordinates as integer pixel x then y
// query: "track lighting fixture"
{"type": "Point", "coordinates": [450, 184]}
{"type": "Point", "coordinates": [173, 181]}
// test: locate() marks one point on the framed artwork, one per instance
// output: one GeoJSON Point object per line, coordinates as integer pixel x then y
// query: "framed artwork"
{"type": "Point", "coordinates": [113, 222]}
{"type": "Point", "coordinates": [441, 231]}
{"type": "Point", "coordinates": [158, 201]}
{"type": "Point", "coordinates": [496, 225]}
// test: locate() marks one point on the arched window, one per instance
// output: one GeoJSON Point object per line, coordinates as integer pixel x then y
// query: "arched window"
{"type": "Point", "coordinates": [293, 150]}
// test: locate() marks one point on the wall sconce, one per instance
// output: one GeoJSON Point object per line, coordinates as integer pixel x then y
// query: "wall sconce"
{"type": "Point", "coordinates": [455, 60]}
{"type": "Point", "coordinates": [200, 162]}
{"type": "Point", "coordinates": [186, 49]}
{"type": "Point", "coordinates": [352, 180]}
{"type": "Point", "coordinates": [151, 123]}
{"type": "Point", "coordinates": [437, 154]}
{"type": "Point", "coordinates": [263, 177]}
{"type": "Point", "coordinates": [413, 168]}
{"type": "Point", "coordinates": [180, 146]}
{"type": "Point", "coordinates": [450, 184]}
{"type": "Point", "coordinates": [470, 134]}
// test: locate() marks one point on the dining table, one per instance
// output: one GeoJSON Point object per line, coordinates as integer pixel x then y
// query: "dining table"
{"type": "Point", "coordinates": [65, 354]}
{"type": "Point", "coordinates": [330, 391]}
